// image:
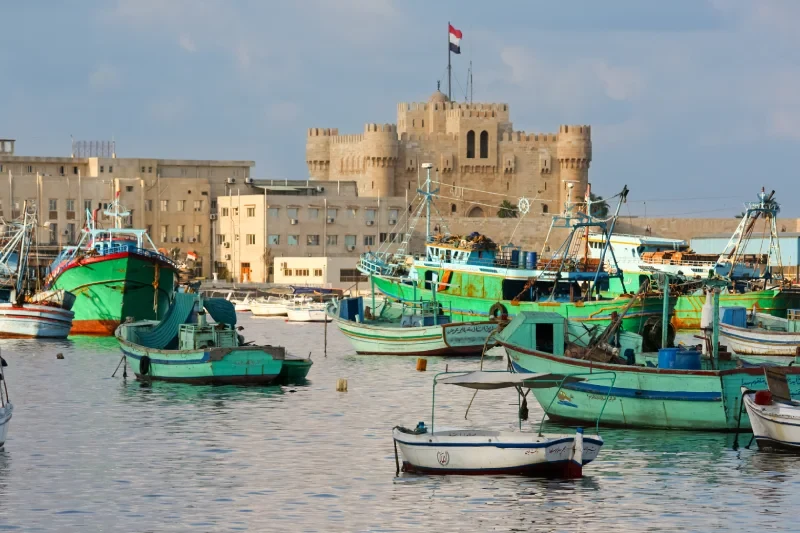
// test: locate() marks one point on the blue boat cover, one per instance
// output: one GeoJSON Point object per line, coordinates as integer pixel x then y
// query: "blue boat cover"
{"type": "Point", "coordinates": [299, 289]}
{"type": "Point", "coordinates": [221, 310]}
{"type": "Point", "coordinates": [165, 334]}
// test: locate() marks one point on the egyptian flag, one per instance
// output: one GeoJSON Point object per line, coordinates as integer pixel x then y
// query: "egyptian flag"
{"type": "Point", "coordinates": [455, 40]}
{"type": "Point", "coordinates": [191, 256]}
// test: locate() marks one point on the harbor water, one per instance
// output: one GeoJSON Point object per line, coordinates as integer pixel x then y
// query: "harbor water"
{"type": "Point", "coordinates": [88, 452]}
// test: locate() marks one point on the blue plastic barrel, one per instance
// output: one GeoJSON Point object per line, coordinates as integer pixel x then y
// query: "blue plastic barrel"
{"type": "Point", "coordinates": [666, 357]}
{"type": "Point", "coordinates": [530, 260]}
{"type": "Point", "coordinates": [515, 257]}
{"type": "Point", "coordinates": [687, 360]}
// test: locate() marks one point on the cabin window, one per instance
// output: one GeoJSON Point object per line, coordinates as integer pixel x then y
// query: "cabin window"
{"type": "Point", "coordinates": [484, 144]}
{"type": "Point", "coordinates": [430, 279]}
{"type": "Point", "coordinates": [544, 337]}
{"type": "Point", "coordinates": [470, 144]}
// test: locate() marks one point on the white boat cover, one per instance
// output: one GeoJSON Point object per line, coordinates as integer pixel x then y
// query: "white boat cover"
{"type": "Point", "coordinates": [484, 380]}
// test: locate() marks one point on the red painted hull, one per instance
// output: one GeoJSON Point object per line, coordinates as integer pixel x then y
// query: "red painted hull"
{"type": "Point", "coordinates": [94, 327]}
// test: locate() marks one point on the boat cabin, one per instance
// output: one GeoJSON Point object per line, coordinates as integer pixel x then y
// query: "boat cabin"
{"type": "Point", "coordinates": [540, 331]}
{"type": "Point", "coordinates": [200, 336]}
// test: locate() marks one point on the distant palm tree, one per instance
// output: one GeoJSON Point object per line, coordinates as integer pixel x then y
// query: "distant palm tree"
{"type": "Point", "coordinates": [599, 206]}
{"type": "Point", "coordinates": [507, 210]}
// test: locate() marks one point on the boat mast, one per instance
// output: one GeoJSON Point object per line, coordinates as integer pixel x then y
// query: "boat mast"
{"type": "Point", "coordinates": [28, 222]}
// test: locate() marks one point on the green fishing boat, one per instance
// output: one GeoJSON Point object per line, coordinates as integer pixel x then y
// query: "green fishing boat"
{"type": "Point", "coordinates": [477, 279]}
{"type": "Point", "coordinates": [669, 390]}
{"type": "Point", "coordinates": [184, 347]}
{"type": "Point", "coordinates": [114, 273]}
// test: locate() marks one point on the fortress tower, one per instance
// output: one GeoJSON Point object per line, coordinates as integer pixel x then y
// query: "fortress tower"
{"type": "Point", "coordinates": [574, 151]}
{"type": "Point", "coordinates": [318, 152]}
{"type": "Point", "coordinates": [379, 149]}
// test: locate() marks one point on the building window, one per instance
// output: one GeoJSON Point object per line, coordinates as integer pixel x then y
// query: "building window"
{"type": "Point", "coordinates": [317, 272]}
{"type": "Point", "coordinates": [87, 205]}
{"type": "Point", "coordinates": [452, 208]}
{"type": "Point", "coordinates": [312, 240]}
{"type": "Point", "coordinates": [60, 169]}
{"type": "Point", "coordinates": [224, 211]}
{"type": "Point", "coordinates": [350, 275]}
{"type": "Point", "coordinates": [313, 213]}
{"type": "Point", "coordinates": [198, 232]}
{"type": "Point", "coordinates": [220, 239]}
{"type": "Point", "coordinates": [350, 214]}
{"type": "Point", "coordinates": [148, 205]}
{"type": "Point", "coordinates": [30, 169]}
{"type": "Point", "coordinates": [198, 205]}
{"type": "Point", "coordinates": [70, 233]}
{"type": "Point", "coordinates": [54, 234]}
{"type": "Point", "coordinates": [287, 272]}
{"type": "Point", "coordinates": [332, 212]}
{"type": "Point", "coordinates": [164, 205]}
{"type": "Point", "coordinates": [292, 240]}
{"type": "Point", "coordinates": [369, 240]}
{"type": "Point", "coordinates": [350, 241]}
{"type": "Point", "coordinates": [53, 209]}
{"type": "Point", "coordinates": [332, 240]}
{"type": "Point", "coordinates": [75, 170]}
{"type": "Point", "coordinates": [251, 211]}
{"type": "Point", "coordinates": [181, 205]}
{"type": "Point", "coordinates": [274, 240]}
{"type": "Point", "coordinates": [129, 188]}
{"type": "Point", "coordinates": [142, 170]}
{"type": "Point", "coordinates": [470, 144]}
{"type": "Point", "coordinates": [149, 170]}
{"type": "Point", "coordinates": [382, 237]}
{"type": "Point", "coordinates": [70, 209]}
{"type": "Point", "coordinates": [181, 232]}
{"type": "Point", "coordinates": [213, 203]}
{"type": "Point", "coordinates": [484, 144]}
{"type": "Point", "coordinates": [273, 212]}
{"type": "Point", "coordinates": [111, 171]}
{"type": "Point", "coordinates": [164, 233]}
{"type": "Point", "coordinates": [393, 213]}
{"type": "Point", "coordinates": [370, 215]}
{"type": "Point", "coordinates": [544, 208]}
{"type": "Point", "coordinates": [291, 212]}
{"type": "Point", "coordinates": [236, 211]}
{"type": "Point", "coordinates": [251, 238]}
{"type": "Point", "coordinates": [102, 168]}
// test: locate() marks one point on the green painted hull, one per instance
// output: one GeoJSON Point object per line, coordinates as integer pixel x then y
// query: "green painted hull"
{"type": "Point", "coordinates": [245, 365]}
{"type": "Point", "coordinates": [687, 309]}
{"type": "Point", "coordinates": [477, 308]}
{"type": "Point", "coordinates": [294, 371]}
{"type": "Point", "coordinates": [108, 289]}
{"type": "Point", "coordinates": [641, 397]}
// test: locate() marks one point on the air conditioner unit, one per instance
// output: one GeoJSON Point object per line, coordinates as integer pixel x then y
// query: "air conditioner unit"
{"type": "Point", "coordinates": [392, 222]}
{"type": "Point", "coordinates": [320, 189]}
{"type": "Point", "coordinates": [293, 221]}
{"type": "Point", "coordinates": [227, 257]}
{"type": "Point", "coordinates": [176, 239]}
{"type": "Point", "coordinates": [65, 232]}
{"type": "Point", "coordinates": [351, 248]}
{"type": "Point", "coordinates": [213, 216]}
{"type": "Point", "coordinates": [370, 222]}
{"type": "Point", "coordinates": [248, 181]}
{"type": "Point", "coordinates": [331, 220]}
{"type": "Point", "coordinates": [226, 245]}
{"type": "Point", "coordinates": [231, 180]}
{"type": "Point", "coordinates": [192, 239]}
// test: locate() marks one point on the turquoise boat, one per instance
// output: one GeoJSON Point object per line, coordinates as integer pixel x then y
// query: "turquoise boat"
{"type": "Point", "coordinates": [184, 347]}
{"type": "Point", "coordinates": [706, 398]}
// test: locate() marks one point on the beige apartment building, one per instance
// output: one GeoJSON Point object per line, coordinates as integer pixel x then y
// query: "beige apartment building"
{"type": "Point", "coordinates": [292, 219]}
{"type": "Point", "coordinates": [174, 199]}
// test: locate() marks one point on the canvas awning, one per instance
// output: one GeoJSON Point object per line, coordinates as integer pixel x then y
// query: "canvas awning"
{"type": "Point", "coordinates": [484, 380]}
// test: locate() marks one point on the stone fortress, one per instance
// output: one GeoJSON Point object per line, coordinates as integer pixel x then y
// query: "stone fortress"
{"type": "Point", "coordinates": [474, 150]}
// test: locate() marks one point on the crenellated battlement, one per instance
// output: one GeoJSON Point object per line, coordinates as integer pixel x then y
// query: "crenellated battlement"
{"type": "Point", "coordinates": [521, 137]}
{"type": "Point", "coordinates": [380, 128]}
{"type": "Point", "coordinates": [428, 137]}
{"type": "Point", "coordinates": [575, 130]}
{"type": "Point", "coordinates": [348, 139]}
{"type": "Point", "coordinates": [323, 132]}
{"type": "Point", "coordinates": [450, 106]}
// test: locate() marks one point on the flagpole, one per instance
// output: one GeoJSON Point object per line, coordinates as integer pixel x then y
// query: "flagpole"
{"type": "Point", "coordinates": [449, 68]}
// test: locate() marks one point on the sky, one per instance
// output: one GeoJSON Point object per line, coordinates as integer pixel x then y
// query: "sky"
{"type": "Point", "coordinates": [694, 104]}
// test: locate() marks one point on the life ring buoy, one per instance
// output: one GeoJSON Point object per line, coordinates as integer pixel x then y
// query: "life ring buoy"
{"type": "Point", "coordinates": [144, 365]}
{"type": "Point", "coordinates": [498, 310]}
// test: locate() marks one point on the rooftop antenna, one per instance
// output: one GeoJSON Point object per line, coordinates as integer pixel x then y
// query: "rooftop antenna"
{"type": "Point", "coordinates": [469, 81]}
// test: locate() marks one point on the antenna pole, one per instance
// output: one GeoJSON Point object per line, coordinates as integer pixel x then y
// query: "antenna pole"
{"type": "Point", "coordinates": [428, 207]}
{"type": "Point", "coordinates": [471, 85]}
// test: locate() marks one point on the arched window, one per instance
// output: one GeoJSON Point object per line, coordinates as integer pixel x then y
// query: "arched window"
{"type": "Point", "coordinates": [470, 144]}
{"type": "Point", "coordinates": [452, 208]}
{"type": "Point", "coordinates": [484, 144]}
{"type": "Point", "coordinates": [476, 212]}
{"type": "Point", "coordinates": [545, 209]}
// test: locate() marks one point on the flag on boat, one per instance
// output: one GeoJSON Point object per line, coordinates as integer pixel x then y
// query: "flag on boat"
{"type": "Point", "coordinates": [191, 256]}
{"type": "Point", "coordinates": [455, 40]}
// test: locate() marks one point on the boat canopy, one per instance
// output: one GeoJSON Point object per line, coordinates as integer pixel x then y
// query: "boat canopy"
{"type": "Point", "coordinates": [165, 334]}
{"type": "Point", "coordinates": [221, 310]}
{"type": "Point", "coordinates": [488, 380]}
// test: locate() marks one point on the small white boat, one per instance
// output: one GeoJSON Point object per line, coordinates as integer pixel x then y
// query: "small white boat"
{"type": "Point", "coordinates": [241, 304]}
{"type": "Point", "coordinates": [760, 333]}
{"type": "Point", "coordinates": [32, 320]}
{"type": "Point", "coordinates": [6, 407]}
{"type": "Point", "coordinates": [774, 416]}
{"type": "Point", "coordinates": [407, 328]}
{"type": "Point", "coordinates": [307, 312]}
{"type": "Point", "coordinates": [468, 451]}
{"type": "Point", "coordinates": [272, 306]}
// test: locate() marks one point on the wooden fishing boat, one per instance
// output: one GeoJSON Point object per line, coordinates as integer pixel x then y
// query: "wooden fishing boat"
{"type": "Point", "coordinates": [408, 328]}
{"type": "Point", "coordinates": [184, 347]}
{"type": "Point", "coordinates": [703, 396]}
{"type": "Point", "coordinates": [761, 333]}
{"type": "Point", "coordinates": [774, 416]}
{"type": "Point", "coordinates": [470, 451]}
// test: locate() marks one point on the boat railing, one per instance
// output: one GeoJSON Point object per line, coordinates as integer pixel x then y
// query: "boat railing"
{"type": "Point", "coordinates": [110, 250]}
